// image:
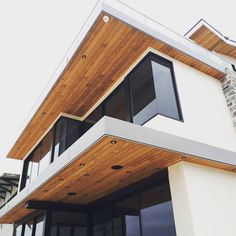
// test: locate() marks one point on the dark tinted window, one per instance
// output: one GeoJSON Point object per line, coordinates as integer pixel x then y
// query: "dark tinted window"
{"type": "Point", "coordinates": [128, 210]}
{"type": "Point", "coordinates": [117, 105]}
{"type": "Point", "coordinates": [60, 140]}
{"type": "Point", "coordinates": [165, 91]}
{"type": "Point", "coordinates": [157, 212]}
{"type": "Point", "coordinates": [80, 231]}
{"type": "Point", "coordinates": [45, 152]}
{"type": "Point", "coordinates": [65, 223]}
{"type": "Point", "coordinates": [73, 132]}
{"type": "Point", "coordinates": [143, 92]}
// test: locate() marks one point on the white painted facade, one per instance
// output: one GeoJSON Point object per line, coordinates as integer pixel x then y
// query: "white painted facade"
{"type": "Point", "coordinates": [203, 200]}
{"type": "Point", "coordinates": [6, 229]}
{"type": "Point", "coordinates": [207, 118]}
{"type": "Point", "coordinates": [227, 58]}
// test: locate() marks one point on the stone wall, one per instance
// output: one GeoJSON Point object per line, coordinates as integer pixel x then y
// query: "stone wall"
{"type": "Point", "coordinates": [229, 89]}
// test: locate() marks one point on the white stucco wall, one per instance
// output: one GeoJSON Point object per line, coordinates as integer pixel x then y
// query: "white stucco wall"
{"type": "Point", "coordinates": [6, 230]}
{"type": "Point", "coordinates": [227, 58]}
{"type": "Point", "coordinates": [203, 200]}
{"type": "Point", "coordinates": [206, 116]}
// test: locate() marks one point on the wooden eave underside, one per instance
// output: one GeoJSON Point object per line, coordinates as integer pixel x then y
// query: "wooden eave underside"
{"type": "Point", "coordinates": [110, 50]}
{"type": "Point", "coordinates": [211, 41]}
{"type": "Point", "coordinates": [96, 179]}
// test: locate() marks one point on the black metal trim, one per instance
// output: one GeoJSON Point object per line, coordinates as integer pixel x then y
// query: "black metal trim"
{"type": "Point", "coordinates": [43, 205]}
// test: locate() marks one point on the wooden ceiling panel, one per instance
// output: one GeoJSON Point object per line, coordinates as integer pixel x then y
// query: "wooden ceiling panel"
{"type": "Point", "coordinates": [107, 52]}
{"type": "Point", "coordinates": [210, 40]}
{"type": "Point", "coordinates": [95, 178]}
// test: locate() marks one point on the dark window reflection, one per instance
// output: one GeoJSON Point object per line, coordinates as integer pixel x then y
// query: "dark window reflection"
{"type": "Point", "coordinates": [60, 140]}
{"type": "Point", "coordinates": [129, 212]}
{"type": "Point", "coordinates": [67, 223]}
{"type": "Point", "coordinates": [80, 231]}
{"type": "Point", "coordinates": [165, 93]}
{"type": "Point", "coordinates": [143, 92]}
{"type": "Point", "coordinates": [117, 105]}
{"type": "Point", "coordinates": [132, 225]}
{"type": "Point", "coordinates": [64, 231]}
{"type": "Point", "coordinates": [73, 132]}
{"type": "Point", "coordinates": [158, 218]}
{"type": "Point", "coordinates": [157, 212]}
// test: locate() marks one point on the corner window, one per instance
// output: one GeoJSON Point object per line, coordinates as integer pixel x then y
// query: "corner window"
{"type": "Point", "coordinates": [153, 90]}
{"type": "Point", "coordinates": [143, 96]}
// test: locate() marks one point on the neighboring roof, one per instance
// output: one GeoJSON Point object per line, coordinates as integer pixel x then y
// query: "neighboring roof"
{"type": "Point", "coordinates": [112, 40]}
{"type": "Point", "coordinates": [8, 187]}
{"type": "Point", "coordinates": [208, 37]}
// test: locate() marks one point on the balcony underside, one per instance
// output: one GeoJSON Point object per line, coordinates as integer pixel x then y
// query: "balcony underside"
{"type": "Point", "coordinates": [104, 57]}
{"type": "Point", "coordinates": [85, 168]}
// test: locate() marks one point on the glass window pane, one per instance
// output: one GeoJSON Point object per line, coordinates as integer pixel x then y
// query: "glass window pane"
{"type": "Point", "coordinates": [60, 140]}
{"type": "Point", "coordinates": [28, 228]}
{"type": "Point", "coordinates": [73, 127]}
{"type": "Point", "coordinates": [157, 213]}
{"type": "Point", "coordinates": [143, 92]}
{"type": "Point", "coordinates": [18, 230]}
{"type": "Point", "coordinates": [45, 154]}
{"type": "Point", "coordinates": [64, 231]}
{"type": "Point", "coordinates": [63, 223]}
{"type": "Point", "coordinates": [117, 105]}
{"type": "Point", "coordinates": [95, 116]}
{"type": "Point", "coordinates": [103, 229]}
{"type": "Point", "coordinates": [132, 225]}
{"type": "Point", "coordinates": [39, 226]}
{"type": "Point", "coordinates": [165, 93]}
{"type": "Point", "coordinates": [80, 231]}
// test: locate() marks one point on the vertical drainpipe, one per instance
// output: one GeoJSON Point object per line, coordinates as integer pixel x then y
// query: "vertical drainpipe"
{"type": "Point", "coordinates": [229, 89]}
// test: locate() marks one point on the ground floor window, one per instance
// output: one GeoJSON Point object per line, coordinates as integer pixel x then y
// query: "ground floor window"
{"type": "Point", "coordinates": [142, 209]}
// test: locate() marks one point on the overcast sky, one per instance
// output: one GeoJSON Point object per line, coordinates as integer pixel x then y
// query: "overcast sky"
{"type": "Point", "coordinates": [35, 35]}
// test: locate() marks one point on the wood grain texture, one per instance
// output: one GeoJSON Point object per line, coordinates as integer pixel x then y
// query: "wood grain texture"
{"type": "Point", "coordinates": [110, 49]}
{"type": "Point", "coordinates": [95, 179]}
{"type": "Point", "coordinates": [211, 41]}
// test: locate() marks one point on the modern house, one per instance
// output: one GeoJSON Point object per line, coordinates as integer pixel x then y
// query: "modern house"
{"type": "Point", "coordinates": [135, 135]}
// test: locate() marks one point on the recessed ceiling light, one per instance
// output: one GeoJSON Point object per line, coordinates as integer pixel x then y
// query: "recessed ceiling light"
{"type": "Point", "coordinates": [82, 164]}
{"type": "Point", "coordinates": [86, 174]}
{"type": "Point", "coordinates": [71, 193]}
{"type": "Point", "coordinates": [117, 167]}
{"type": "Point", "coordinates": [184, 157]}
{"type": "Point", "coordinates": [113, 142]}
{"type": "Point", "coordinates": [128, 172]}
{"type": "Point", "coordinates": [61, 179]}
{"type": "Point", "coordinates": [84, 56]}
{"type": "Point", "coordinates": [105, 19]}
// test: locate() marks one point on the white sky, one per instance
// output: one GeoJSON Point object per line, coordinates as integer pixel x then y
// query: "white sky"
{"type": "Point", "coordinates": [35, 35]}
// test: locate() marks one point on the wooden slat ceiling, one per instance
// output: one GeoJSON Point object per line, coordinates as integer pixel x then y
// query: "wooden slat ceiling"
{"type": "Point", "coordinates": [91, 177]}
{"type": "Point", "coordinates": [211, 41]}
{"type": "Point", "coordinates": [110, 49]}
